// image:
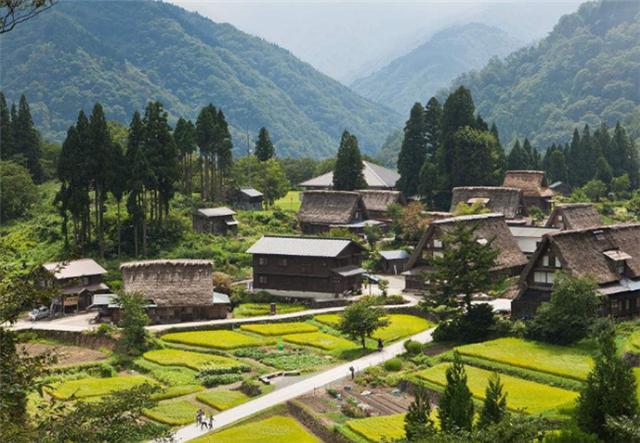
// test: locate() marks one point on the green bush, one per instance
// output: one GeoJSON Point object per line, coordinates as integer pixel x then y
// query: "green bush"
{"type": "Point", "coordinates": [224, 370]}
{"type": "Point", "coordinates": [106, 370]}
{"type": "Point", "coordinates": [251, 387]}
{"type": "Point", "coordinates": [393, 365]}
{"type": "Point", "coordinates": [413, 347]}
{"type": "Point", "coordinates": [211, 381]}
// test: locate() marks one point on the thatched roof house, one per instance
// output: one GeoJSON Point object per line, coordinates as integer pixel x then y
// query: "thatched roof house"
{"type": "Point", "coordinates": [320, 210]}
{"type": "Point", "coordinates": [488, 228]}
{"type": "Point", "coordinates": [608, 254]}
{"type": "Point", "coordinates": [376, 177]}
{"type": "Point", "coordinates": [574, 216]}
{"type": "Point", "coordinates": [534, 187]}
{"type": "Point", "coordinates": [181, 290]}
{"type": "Point", "coordinates": [377, 202]}
{"type": "Point", "coordinates": [502, 200]}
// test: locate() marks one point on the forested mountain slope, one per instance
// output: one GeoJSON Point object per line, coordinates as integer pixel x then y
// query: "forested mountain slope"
{"type": "Point", "coordinates": [585, 71]}
{"type": "Point", "coordinates": [419, 74]}
{"type": "Point", "coordinates": [123, 54]}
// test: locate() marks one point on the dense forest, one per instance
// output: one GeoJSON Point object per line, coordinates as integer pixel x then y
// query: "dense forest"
{"type": "Point", "coordinates": [124, 54]}
{"type": "Point", "coordinates": [434, 64]}
{"type": "Point", "coordinates": [586, 71]}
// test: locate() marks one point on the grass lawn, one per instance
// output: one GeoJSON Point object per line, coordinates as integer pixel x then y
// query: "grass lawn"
{"type": "Point", "coordinates": [215, 339]}
{"type": "Point", "coordinates": [175, 412]}
{"type": "Point", "coordinates": [245, 310]}
{"type": "Point", "coordinates": [279, 328]}
{"type": "Point", "coordinates": [320, 340]}
{"type": "Point", "coordinates": [532, 397]}
{"type": "Point", "coordinates": [95, 386]}
{"type": "Point", "coordinates": [290, 202]}
{"type": "Point", "coordinates": [222, 400]}
{"type": "Point", "coordinates": [377, 429]}
{"type": "Point", "coordinates": [193, 360]}
{"type": "Point", "coordinates": [564, 361]}
{"type": "Point", "coordinates": [332, 320]}
{"type": "Point", "coordinates": [400, 326]}
{"type": "Point", "coordinates": [277, 429]}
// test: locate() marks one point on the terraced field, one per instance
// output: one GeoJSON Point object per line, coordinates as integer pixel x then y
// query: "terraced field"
{"type": "Point", "coordinates": [193, 360]}
{"type": "Point", "coordinates": [95, 386]}
{"type": "Point", "coordinates": [276, 429]}
{"type": "Point", "coordinates": [216, 339]}
{"type": "Point", "coordinates": [274, 329]}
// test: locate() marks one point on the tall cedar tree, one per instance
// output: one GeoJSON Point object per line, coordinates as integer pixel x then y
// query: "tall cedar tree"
{"type": "Point", "coordinates": [417, 422]}
{"type": "Point", "coordinates": [473, 157]}
{"type": "Point", "coordinates": [610, 389]}
{"type": "Point", "coordinates": [264, 149]}
{"type": "Point", "coordinates": [500, 158]}
{"type": "Point", "coordinates": [412, 152]}
{"type": "Point", "coordinates": [6, 131]}
{"type": "Point", "coordinates": [26, 141]}
{"type": "Point", "coordinates": [138, 176]}
{"type": "Point", "coordinates": [428, 184]}
{"type": "Point", "coordinates": [556, 165]}
{"type": "Point", "coordinates": [494, 408]}
{"type": "Point", "coordinates": [517, 158]}
{"type": "Point", "coordinates": [455, 409]}
{"type": "Point", "coordinates": [117, 185]}
{"type": "Point", "coordinates": [432, 126]}
{"type": "Point", "coordinates": [185, 138]}
{"type": "Point", "coordinates": [360, 320]}
{"type": "Point", "coordinates": [205, 134]}
{"type": "Point", "coordinates": [224, 158]}
{"type": "Point", "coordinates": [464, 268]}
{"type": "Point", "coordinates": [625, 148]}
{"type": "Point", "coordinates": [348, 175]}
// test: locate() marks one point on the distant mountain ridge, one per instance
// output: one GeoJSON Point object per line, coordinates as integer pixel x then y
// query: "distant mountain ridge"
{"type": "Point", "coordinates": [430, 67]}
{"type": "Point", "coordinates": [123, 54]}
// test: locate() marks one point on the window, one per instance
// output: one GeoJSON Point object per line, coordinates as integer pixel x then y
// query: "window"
{"type": "Point", "coordinates": [545, 278]}
{"type": "Point", "coordinates": [262, 279]}
{"type": "Point", "coordinates": [545, 261]}
{"type": "Point", "coordinates": [85, 281]}
{"type": "Point", "coordinates": [620, 267]}
{"type": "Point", "coordinates": [263, 261]}
{"type": "Point", "coordinates": [305, 268]}
{"type": "Point", "coordinates": [437, 243]}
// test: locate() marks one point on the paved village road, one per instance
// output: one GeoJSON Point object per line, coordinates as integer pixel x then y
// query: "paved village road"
{"type": "Point", "coordinates": [297, 389]}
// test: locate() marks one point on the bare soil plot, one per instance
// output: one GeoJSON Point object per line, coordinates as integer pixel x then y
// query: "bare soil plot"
{"type": "Point", "coordinates": [67, 355]}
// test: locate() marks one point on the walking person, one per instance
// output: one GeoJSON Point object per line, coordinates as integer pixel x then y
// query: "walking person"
{"type": "Point", "coordinates": [380, 345]}
{"type": "Point", "coordinates": [199, 416]}
{"type": "Point", "coordinates": [211, 422]}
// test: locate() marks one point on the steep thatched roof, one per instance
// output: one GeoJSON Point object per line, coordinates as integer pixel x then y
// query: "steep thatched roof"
{"type": "Point", "coordinates": [170, 282]}
{"type": "Point", "coordinates": [376, 176]}
{"type": "Point", "coordinates": [532, 183]}
{"type": "Point", "coordinates": [380, 200]}
{"type": "Point", "coordinates": [574, 216]}
{"type": "Point", "coordinates": [488, 227]}
{"type": "Point", "coordinates": [502, 200]}
{"type": "Point", "coordinates": [330, 207]}
{"type": "Point", "coordinates": [592, 251]}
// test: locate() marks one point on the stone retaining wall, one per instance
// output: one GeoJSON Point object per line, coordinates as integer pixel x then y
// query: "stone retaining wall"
{"type": "Point", "coordinates": [305, 416]}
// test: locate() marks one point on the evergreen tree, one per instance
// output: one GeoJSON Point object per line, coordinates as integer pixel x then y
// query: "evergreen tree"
{"type": "Point", "coordinates": [557, 167]}
{"type": "Point", "coordinates": [586, 158]}
{"type": "Point", "coordinates": [456, 404]}
{"type": "Point", "coordinates": [26, 141]}
{"type": "Point", "coordinates": [575, 176]}
{"type": "Point", "coordinates": [134, 319]}
{"type": "Point", "coordinates": [264, 149]}
{"type": "Point", "coordinates": [6, 136]}
{"type": "Point", "coordinates": [500, 158]}
{"type": "Point", "coordinates": [610, 389]}
{"type": "Point", "coordinates": [473, 157]}
{"type": "Point", "coordinates": [526, 146]}
{"type": "Point", "coordinates": [117, 185]}
{"type": "Point", "coordinates": [432, 126]}
{"type": "Point", "coordinates": [494, 408]}
{"type": "Point", "coordinates": [417, 423]}
{"type": "Point", "coordinates": [428, 182]}
{"type": "Point", "coordinates": [604, 173]}
{"type": "Point", "coordinates": [412, 152]}
{"type": "Point", "coordinates": [205, 135]}
{"type": "Point", "coordinates": [139, 173]}
{"type": "Point", "coordinates": [223, 150]}
{"type": "Point", "coordinates": [624, 148]}
{"type": "Point", "coordinates": [348, 175]}
{"type": "Point", "coordinates": [185, 138]}
{"type": "Point", "coordinates": [517, 158]}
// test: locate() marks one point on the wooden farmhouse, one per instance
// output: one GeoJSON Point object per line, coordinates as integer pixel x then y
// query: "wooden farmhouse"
{"type": "Point", "coordinates": [379, 202]}
{"type": "Point", "coordinates": [176, 290]}
{"type": "Point", "coordinates": [608, 254]}
{"type": "Point", "coordinates": [322, 210]}
{"type": "Point", "coordinates": [394, 262]}
{"type": "Point", "coordinates": [501, 200]}
{"type": "Point", "coordinates": [215, 221]}
{"type": "Point", "coordinates": [75, 281]}
{"type": "Point", "coordinates": [376, 177]}
{"type": "Point", "coordinates": [247, 199]}
{"type": "Point", "coordinates": [307, 266]}
{"type": "Point", "coordinates": [574, 216]}
{"type": "Point", "coordinates": [490, 228]}
{"type": "Point", "coordinates": [534, 188]}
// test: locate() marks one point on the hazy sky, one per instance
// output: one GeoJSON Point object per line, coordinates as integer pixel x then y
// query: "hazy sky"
{"type": "Point", "coordinates": [348, 40]}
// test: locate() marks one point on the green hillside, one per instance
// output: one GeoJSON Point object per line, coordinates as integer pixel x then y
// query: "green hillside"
{"type": "Point", "coordinates": [587, 70]}
{"type": "Point", "coordinates": [126, 53]}
{"type": "Point", "coordinates": [419, 74]}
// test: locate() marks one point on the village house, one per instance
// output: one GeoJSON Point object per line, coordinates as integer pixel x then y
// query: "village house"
{"type": "Point", "coordinates": [307, 266]}
{"type": "Point", "coordinates": [376, 177]}
{"type": "Point", "coordinates": [608, 254]}
{"type": "Point", "coordinates": [176, 290]}
{"type": "Point", "coordinates": [500, 200]}
{"type": "Point", "coordinates": [379, 202]}
{"type": "Point", "coordinates": [215, 221]}
{"type": "Point", "coordinates": [322, 210]}
{"type": "Point", "coordinates": [533, 184]}
{"type": "Point", "coordinates": [393, 262]}
{"type": "Point", "coordinates": [247, 199]}
{"type": "Point", "coordinates": [530, 237]}
{"type": "Point", "coordinates": [75, 281]}
{"type": "Point", "coordinates": [574, 216]}
{"type": "Point", "coordinates": [488, 228]}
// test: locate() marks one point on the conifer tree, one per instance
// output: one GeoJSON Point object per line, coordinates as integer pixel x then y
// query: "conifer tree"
{"type": "Point", "coordinates": [412, 152]}
{"type": "Point", "coordinates": [6, 136]}
{"type": "Point", "coordinates": [139, 173]}
{"type": "Point", "coordinates": [494, 408]}
{"type": "Point", "coordinates": [610, 389]}
{"type": "Point", "coordinates": [473, 157]}
{"type": "Point", "coordinates": [417, 422]}
{"type": "Point", "coordinates": [456, 407]}
{"type": "Point", "coordinates": [205, 135]}
{"type": "Point", "coordinates": [348, 175]}
{"type": "Point", "coordinates": [223, 150]}
{"type": "Point", "coordinates": [500, 158]}
{"type": "Point", "coordinates": [26, 141]}
{"type": "Point", "coordinates": [604, 173]}
{"type": "Point", "coordinates": [518, 158]}
{"type": "Point", "coordinates": [428, 182]}
{"type": "Point", "coordinates": [624, 147]}
{"type": "Point", "coordinates": [556, 166]}
{"type": "Point", "coordinates": [185, 138]}
{"type": "Point", "coordinates": [432, 127]}
{"type": "Point", "coordinates": [264, 149]}
{"type": "Point", "coordinates": [572, 155]}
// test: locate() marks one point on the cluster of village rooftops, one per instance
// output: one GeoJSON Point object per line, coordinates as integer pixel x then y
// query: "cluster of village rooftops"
{"type": "Point", "coordinates": [572, 238]}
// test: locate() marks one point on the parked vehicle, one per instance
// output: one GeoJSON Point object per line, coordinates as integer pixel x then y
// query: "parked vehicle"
{"type": "Point", "coordinates": [39, 313]}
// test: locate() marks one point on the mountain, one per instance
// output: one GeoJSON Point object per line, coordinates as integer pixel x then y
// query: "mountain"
{"type": "Point", "coordinates": [124, 53]}
{"type": "Point", "coordinates": [586, 71]}
{"type": "Point", "coordinates": [419, 74]}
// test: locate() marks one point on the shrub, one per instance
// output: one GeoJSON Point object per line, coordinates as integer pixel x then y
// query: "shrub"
{"type": "Point", "coordinates": [473, 326]}
{"type": "Point", "coordinates": [350, 409]}
{"type": "Point", "coordinates": [413, 347]}
{"type": "Point", "coordinates": [224, 370]}
{"type": "Point", "coordinates": [393, 365]}
{"type": "Point", "coordinates": [211, 381]}
{"type": "Point", "coordinates": [106, 370]}
{"type": "Point", "coordinates": [251, 387]}
{"type": "Point", "coordinates": [105, 330]}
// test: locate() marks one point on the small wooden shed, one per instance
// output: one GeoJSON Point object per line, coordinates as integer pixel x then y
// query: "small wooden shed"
{"type": "Point", "coordinates": [215, 220]}
{"type": "Point", "coordinates": [393, 262]}
{"type": "Point", "coordinates": [247, 199]}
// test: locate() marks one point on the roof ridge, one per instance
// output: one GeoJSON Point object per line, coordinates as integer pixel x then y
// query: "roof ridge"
{"type": "Point", "coordinates": [368, 164]}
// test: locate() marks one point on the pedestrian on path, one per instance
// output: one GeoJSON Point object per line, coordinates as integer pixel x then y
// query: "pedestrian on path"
{"type": "Point", "coordinates": [353, 372]}
{"type": "Point", "coordinates": [211, 421]}
{"type": "Point", "coordinates": [380, 345]}
{"type": "Point", "coordinates": [199, 415]}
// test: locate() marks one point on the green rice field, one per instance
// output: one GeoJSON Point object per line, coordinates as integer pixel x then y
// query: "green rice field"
{"type": "Point", "coordinates": [221, 339]}
{"type": "Point", "coordinates": [276, 429]}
